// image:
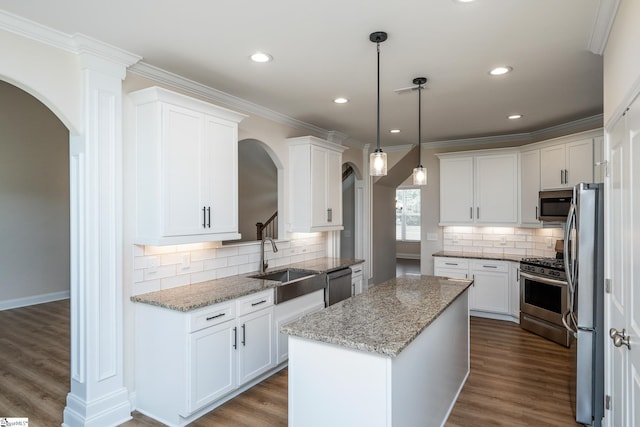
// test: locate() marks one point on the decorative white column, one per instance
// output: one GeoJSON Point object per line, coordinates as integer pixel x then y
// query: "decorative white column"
{"type": "Point", "coordinates": [98, 396]}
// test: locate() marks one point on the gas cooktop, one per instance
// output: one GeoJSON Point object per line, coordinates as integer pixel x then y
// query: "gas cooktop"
{"type": "Point", "coordinates": [549, 267]}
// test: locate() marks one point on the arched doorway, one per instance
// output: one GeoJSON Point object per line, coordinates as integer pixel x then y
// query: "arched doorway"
{"type": "Point", "coordinates": [34, 257]}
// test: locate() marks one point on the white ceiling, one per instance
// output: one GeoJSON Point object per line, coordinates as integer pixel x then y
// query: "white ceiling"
{"type": "Point", "coordinates": [322, 50]}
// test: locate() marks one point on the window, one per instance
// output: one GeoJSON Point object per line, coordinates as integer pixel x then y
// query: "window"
{"type": "Point", "coordinates": [408, 214]}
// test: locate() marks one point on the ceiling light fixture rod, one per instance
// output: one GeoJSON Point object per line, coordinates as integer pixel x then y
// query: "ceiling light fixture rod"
{"type": "Point", "coordinates": [419, 172]}
{"type": "Point", "coordinates": [378, 159]}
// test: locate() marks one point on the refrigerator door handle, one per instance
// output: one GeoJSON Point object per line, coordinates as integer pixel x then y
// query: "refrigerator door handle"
{"type": "Point", "coordinates": [569, 258]}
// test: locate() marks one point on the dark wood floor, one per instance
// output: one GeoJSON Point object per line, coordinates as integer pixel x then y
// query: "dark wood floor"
{"type": "Point", "coordinates": [517, 378]}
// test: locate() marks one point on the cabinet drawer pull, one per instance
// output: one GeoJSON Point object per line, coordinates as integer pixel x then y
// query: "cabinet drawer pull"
{"type": "Point", "coordinates": [258, 303]}
{"type": "Point", "coordinates": [244, 335]}
{"type": "Point", "coordinates": [451, 263]}
{"type": "Point", "coordinates": [490, 266]}
{"type": "Point", "coordinates": [216, 316]}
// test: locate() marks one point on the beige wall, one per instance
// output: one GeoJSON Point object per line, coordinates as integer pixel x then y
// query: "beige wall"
{"type": "Point", "coordinates": [34, 200]}
{"type": "Point", "coordinates": [621, 60]}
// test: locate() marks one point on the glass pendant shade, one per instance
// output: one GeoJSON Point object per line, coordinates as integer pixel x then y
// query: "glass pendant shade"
{"type": "Point", "coordinates": [419, 175]}
{"type": "Point", "coordinates": [378, 163]}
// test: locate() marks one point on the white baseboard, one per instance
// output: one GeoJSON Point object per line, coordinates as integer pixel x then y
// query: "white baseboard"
{"type": "Point", "coordinates": [33, 300]}
{"type": "Point", "coordinates": [407, 256]}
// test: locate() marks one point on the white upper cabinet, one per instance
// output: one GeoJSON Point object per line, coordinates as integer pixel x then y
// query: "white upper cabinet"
{"type": "Point", "coordinates": [481, 188]}
{"type": "Point", "coordinates": [456, 190]}
{"type": "Point", "coordinates": [186, 169]}
{"type": "Point", "coordinates": [529, 187]}
{"type": "Point", "coordinates": [315, 180]}
{"type": "Point", "coordinates": [565, 165]}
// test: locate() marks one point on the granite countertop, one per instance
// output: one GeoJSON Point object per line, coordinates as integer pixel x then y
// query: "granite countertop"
{"type": "Point", "coordinates": [198, 295]}
{"type": "Point", "coordinates": [383, 319]}
{"type": "Point", "coordinates": [478, 255]}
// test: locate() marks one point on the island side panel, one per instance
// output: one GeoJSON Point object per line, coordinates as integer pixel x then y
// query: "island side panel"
{"type": "Point", "coordinates": [338, 387]}
{"type": "Point", "coordinates": [429, 374]}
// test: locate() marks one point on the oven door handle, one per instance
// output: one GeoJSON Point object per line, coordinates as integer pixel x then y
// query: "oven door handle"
{"type": "Point", "coordinates": [543, 279]}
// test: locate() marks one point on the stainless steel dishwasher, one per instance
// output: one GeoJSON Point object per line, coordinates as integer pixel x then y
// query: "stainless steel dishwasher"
{"type": "Point", "coordinates": [338, 286]}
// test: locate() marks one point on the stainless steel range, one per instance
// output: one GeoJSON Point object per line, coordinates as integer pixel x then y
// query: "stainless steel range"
{"type": "Point", "coordinates": [544, 297]}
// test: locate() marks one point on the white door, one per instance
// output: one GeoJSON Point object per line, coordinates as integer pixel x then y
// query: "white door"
{"type": "Point", "coordinates": [623, 263]}
{"type": "Point", "coordinates": [496, 182]}
{"type": "Point", "coordinates": [552, 164]}
{"type": "Point", "coordinates": [529, 186]}
{"type": "Point", "coordinates": [456, 190]}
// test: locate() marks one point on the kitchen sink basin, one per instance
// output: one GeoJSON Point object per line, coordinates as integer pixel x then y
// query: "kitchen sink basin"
{"type": "Point", "coordinates": [294, 282]}
{"type": "Point", "coordinates": [284, 276]}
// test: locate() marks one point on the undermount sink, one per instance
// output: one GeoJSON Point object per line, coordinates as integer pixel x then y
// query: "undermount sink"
{"type": "Point", "coordinates": [284, 276]}
{"type": "Point", "coordinates": [294, 282]}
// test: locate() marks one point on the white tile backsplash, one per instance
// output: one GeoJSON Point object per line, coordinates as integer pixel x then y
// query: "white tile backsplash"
{"type": "Point", "coordinates": [209, 261]}
{"type": "Point", "coordinates": [502, 240]}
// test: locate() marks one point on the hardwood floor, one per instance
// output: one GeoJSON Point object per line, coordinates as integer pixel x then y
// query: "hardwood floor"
{"type": "Point", "coordinates": [517, 378]}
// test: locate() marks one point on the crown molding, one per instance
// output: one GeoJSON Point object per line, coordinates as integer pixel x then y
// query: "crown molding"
{"type": "Point", "coordinates": [154, 73]}
{"type": "Point", "coordinates": [579, 125]}
{"type": "Point", "coordinates": [77, 43]}
{"type": "Point", "coordinates": [34, 31]}
{"type": "Point", "coordinates": [602, 25]}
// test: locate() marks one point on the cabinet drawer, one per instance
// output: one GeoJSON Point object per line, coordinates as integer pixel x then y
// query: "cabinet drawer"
{"type": "Point", "coordinates": [500, 266]}
{"type": "Point", "coordinates": [356, 270]}
{"type": "Point", "coordinates": [457, 263]}
{"type": "Point", "coordinates": [212, 315]}
{"type": "Point", "coordinates": [255, 302]}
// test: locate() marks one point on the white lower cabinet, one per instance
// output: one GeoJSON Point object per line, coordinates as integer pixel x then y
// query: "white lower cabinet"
{"type": "Point", "coordinates": [356, 279]}
{"type": "Point", "coordinates": [188, 361]}
{"type": "Point", "coordinates": [493, 293]}
{"type": "Point", "coordinates": [515, 291]}
{"type": "Point", "coordinates": [290, 311]}
{"type": "Point", "coordinates": [491, 286]}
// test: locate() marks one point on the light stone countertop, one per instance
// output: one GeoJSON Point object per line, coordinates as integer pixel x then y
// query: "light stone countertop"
{"type": "Point", "coordinates": [384, 319]}
{"type": "Point", "coordinates": [198, 295]}
{"type": "Point", "coordinates": [478, 255]}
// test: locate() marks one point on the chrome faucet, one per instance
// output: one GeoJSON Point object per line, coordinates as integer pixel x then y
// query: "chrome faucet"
{"type": "Point", "coordinates": [263, 264]}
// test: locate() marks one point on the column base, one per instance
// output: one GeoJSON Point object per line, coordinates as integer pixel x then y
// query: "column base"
{"type": "Point", "coordinates": [111, 410]}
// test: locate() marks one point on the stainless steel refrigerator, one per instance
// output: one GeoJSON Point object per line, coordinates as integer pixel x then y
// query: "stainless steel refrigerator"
{"type": "Point", "coordinates": [584, 265]}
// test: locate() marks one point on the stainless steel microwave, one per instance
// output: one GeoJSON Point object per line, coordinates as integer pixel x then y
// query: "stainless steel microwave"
{"type": "Point", "coordinates": [554, 205]}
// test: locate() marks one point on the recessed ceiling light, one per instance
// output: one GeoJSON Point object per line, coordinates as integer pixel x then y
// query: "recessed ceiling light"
{"type": "Point", "coordinates": [394, 131]}
{"type": "Point", "coordinates": [261, 57]}
{"type": "Point", "coordinates": [463, 1]}
{"type": "Point", "coordinates": [341, 100]}
{"type": "Point", "coordinates": [498, 71]}
{"type": "Point", "coordinates": [514, 116]}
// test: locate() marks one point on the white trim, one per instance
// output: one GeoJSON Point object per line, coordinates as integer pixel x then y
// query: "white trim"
{"type": "Point", "coordinates": [217, 96]}
{"type": "Point", "coordinates": [33, 300]}
{"type": "Point", "coordinates": [522, 138]}
{"type": "Point", "coordinates": [77, 43]}
{"type": "Point", "coordinates": [602, 25]}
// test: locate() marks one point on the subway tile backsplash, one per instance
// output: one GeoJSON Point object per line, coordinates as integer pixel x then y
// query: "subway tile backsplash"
{"type": "Point", "coordinates": [164, 267]}
{"type": "Point", "coordinates": [529, 242]}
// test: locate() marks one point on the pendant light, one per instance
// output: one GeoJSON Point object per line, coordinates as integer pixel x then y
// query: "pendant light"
{"type": "Point", "coordinates": [419, 172]}
{"type": "Point", "coordinates": [378, 159]}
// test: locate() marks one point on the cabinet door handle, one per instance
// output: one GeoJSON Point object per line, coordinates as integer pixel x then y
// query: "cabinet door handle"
{"type": "Point", "coordinates": [566, 176]}
{"type": "Point", "coordinates": [329, 215]}
{"type": "Point", "coordinates": [258, 303]}
{"type": "Point", "coordinates": [235, 337]}
{"type": "Point", "coordinates": [537, 212]}
{"type": "Point", "coordinates": [209, 216]}
{"type": "Point", "coordinates": [561, 176]}
{"type": "Point", "coordinates": [215, 317]}
{"type": "Point", "coordinates": [244, 336]}
{"type": "Point", "coordinates": [517, 274]}
{"type": "Point", "coordinates": [204, 217]}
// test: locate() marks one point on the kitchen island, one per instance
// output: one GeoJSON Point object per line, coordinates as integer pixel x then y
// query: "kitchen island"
{"type": "Point", "coordinates": [395, 355]}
